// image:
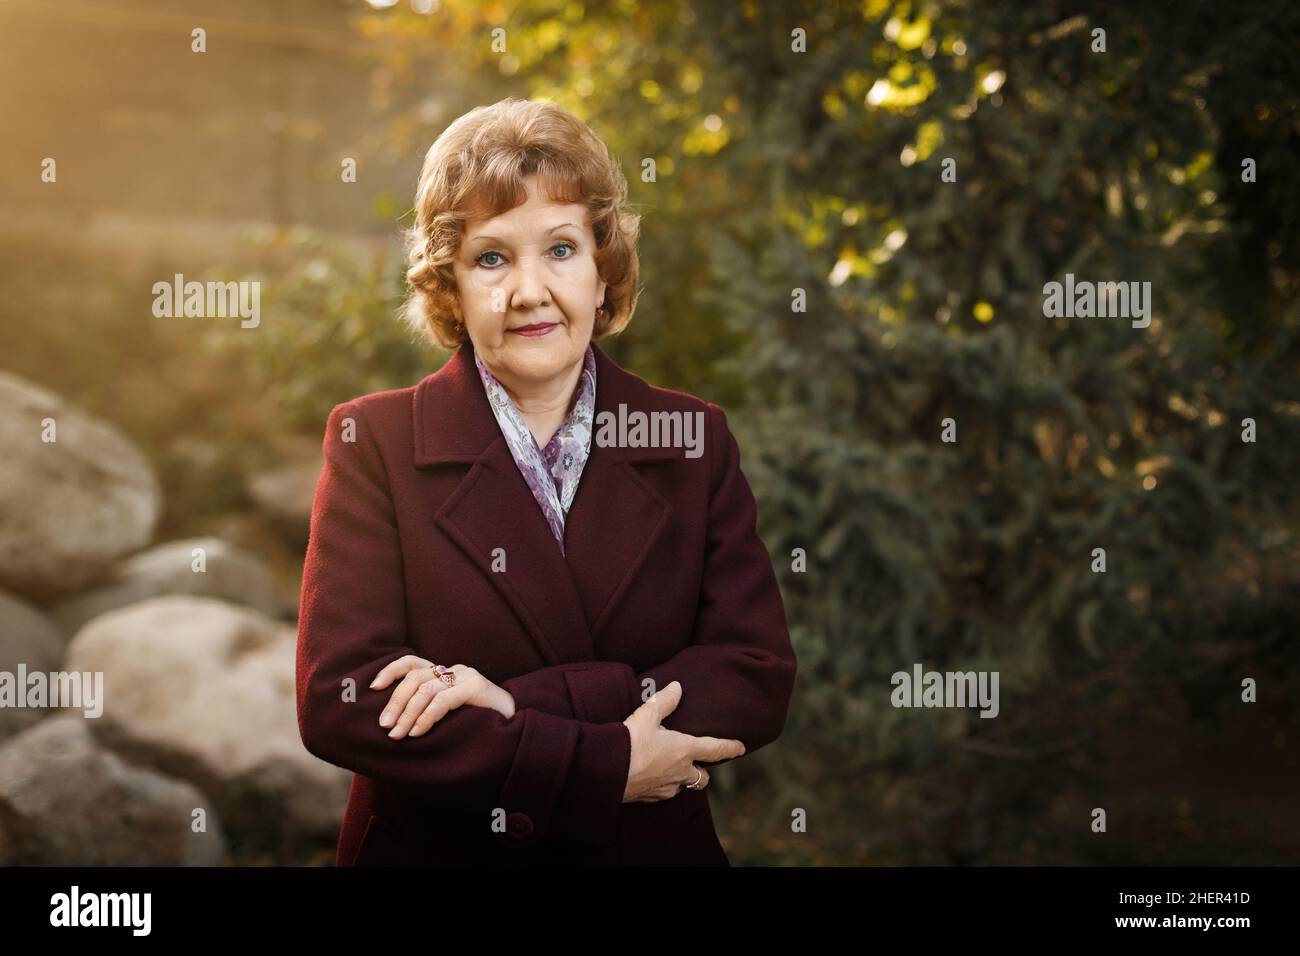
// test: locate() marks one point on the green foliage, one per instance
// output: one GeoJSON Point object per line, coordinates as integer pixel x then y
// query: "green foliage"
{"type": "Point", "coordinates": [821, 171]}
{"type": "Point", "coordinates": [1072, 433]}
{"type": "Point", "coordinates": [328, 329]}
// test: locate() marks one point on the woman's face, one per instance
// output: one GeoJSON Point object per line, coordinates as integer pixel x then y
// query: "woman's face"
{"type": "Point", "coordinates": [529, 289]}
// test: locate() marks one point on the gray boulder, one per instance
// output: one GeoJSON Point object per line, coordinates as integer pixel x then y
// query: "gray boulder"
{"type": "Point", "coordinates": [284, 492]}
{"type": "Point", "coordinates": [230, 573]}
{"type": "Point", "coordinates": [66, 801]}
{"type": "Point", "coordinates": [70, 507]}
{"type": "Point", "coordinates": [204, 689]}
{"type": "Point", "coordinates": [26, 637]}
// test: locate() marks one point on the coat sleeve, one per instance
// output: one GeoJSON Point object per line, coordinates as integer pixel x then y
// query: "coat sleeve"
{"type": "Point", "coordinates": [586, 690]}
{"type": "Point", "coordinates": [566, 776]}
{"type": "Point", "coordinates": [738, 673]}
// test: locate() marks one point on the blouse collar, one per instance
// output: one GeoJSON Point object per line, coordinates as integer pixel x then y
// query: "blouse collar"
{"type": "Point", "coordinates": [551, 473]}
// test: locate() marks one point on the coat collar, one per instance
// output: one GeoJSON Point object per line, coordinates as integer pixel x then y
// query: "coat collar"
{"type": "Point", "coordinates": [563, 600]}
{"type": "Point", "coordinates": [454, 422]}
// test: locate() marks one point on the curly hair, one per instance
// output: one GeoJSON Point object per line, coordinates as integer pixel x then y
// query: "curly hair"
{"type": "Point", "coordinates": [476, 169]}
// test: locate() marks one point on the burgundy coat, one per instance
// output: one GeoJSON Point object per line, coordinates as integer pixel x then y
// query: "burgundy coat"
{"type": "Point", "coordinates": [664, 578]}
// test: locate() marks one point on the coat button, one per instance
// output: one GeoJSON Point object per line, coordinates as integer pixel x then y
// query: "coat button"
{"type": "Point", "coordinates": [519, 825]}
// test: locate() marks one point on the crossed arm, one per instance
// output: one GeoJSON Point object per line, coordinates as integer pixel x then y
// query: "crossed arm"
{"type": "Point", "coordinates": [738, 673]}
{"type": "Point", "coordinates": [736, 677]}
{"type": "Point", "coordinates": [563, 757]}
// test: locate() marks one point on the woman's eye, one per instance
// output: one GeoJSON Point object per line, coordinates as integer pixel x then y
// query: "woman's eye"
{"type": "Point", "coordinates": [559, 245]}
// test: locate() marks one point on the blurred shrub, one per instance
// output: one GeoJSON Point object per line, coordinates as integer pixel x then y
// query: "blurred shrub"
{"type": "Point", "coordinates": [819, 170]}
{"type": "Point", "coordinates": [328, 330]}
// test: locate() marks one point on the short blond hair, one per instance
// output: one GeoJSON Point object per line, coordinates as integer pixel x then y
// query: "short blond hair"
{"type": "Point", "coordinates": [476, 169]}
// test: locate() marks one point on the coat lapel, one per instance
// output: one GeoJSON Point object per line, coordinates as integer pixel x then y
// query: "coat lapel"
{"type": "Point", "coordinates": [615, 518]}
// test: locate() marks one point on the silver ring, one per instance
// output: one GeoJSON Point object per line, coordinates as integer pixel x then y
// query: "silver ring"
{"type": "Point", "coordinates": [691, 785]}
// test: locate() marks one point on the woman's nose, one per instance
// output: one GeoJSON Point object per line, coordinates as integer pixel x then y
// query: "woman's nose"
{"type": "Point", "coordinates": [530, 284]}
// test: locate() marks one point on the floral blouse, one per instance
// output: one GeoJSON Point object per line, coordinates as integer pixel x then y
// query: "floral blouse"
{"type": "Point", "coordinates": [552, 472]}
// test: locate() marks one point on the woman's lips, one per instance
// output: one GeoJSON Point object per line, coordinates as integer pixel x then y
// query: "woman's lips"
{"type": "Point", "coordinates": [534, 331]}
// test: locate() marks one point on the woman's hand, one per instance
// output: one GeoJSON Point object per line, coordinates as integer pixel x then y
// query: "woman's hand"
{"type": "Point", "coordinates": [422, 699]}
{"type": "Point", "coordinates": [663, 761]}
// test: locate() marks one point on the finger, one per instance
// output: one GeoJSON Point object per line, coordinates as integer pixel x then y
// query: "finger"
{"type": "Point", "coordinates": [419, 701]}
{"type": "Point", "coordinates": [402, 695]}
{"type": "Point", "coordinates": [697, 779]}
{"type": "Point", "coordinates": [666, 700]}
{"type": "Point", "coordinates": [397, 668]}
{"type": "Point", "coordinates": [442, 704]}
{"type": "Point", "coordinates": [713, 749]}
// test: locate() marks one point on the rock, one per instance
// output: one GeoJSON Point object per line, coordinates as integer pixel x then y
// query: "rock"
{"type": "Point", "coordinates": [231, 574]}
{"type": "Point", "coordinates": [66, 801]}
{"type": "Point", "coordinates": [71, 507]}
{"type": "Point", "coordinates": [285, 492]}
{"type": "Point", "coordinates": [204, 689]}
{"type": "Point", "coordinates": [28, 637]}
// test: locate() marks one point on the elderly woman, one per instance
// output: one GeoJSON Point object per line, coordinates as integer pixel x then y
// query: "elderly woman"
{"type": "Point", "coordinates": [530, 624]}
